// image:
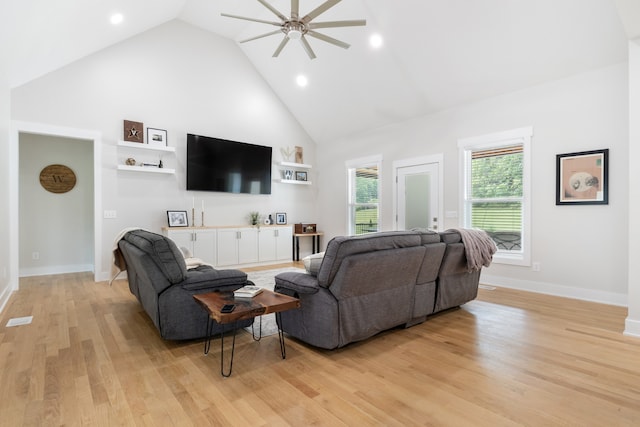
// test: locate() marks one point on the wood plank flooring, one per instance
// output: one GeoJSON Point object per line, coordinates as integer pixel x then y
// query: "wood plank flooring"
{"type": "Point", "coordinates": [509, 358]}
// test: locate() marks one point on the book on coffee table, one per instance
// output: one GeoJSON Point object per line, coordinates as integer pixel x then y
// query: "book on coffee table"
{"type": "Point", "coordinates": [247, 292]}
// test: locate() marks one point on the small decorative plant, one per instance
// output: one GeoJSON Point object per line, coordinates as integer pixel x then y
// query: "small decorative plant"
{"type": "Point", "coordinates": [254, 218]}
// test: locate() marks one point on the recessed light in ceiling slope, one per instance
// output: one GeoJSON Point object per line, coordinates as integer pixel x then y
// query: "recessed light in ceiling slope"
{"type": "Point", "coordinates": [302, 80]}
{"type": "Point", "coordinates": [376, 41]}
{"type": "Point", "coordinates": [116, 18]}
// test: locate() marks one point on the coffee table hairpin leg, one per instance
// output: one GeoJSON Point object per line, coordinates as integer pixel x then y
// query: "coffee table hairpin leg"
{"type": "Point", "coordinates": [259, 337]}
{"type": "Point", "coordinates": [207, 346]}
{"type": "Point", "coordinates": [283, 351]}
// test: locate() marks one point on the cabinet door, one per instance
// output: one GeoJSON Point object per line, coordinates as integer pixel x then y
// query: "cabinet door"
{"type": "Point", "coordinates": [182, 238]}
{"type": "Point", "coordinates": [204, 245]}
{"type": "Point", "coordinates": [227, 247]}
{"type": "Point", "coordinates": [284, 243]}
{"type": "Point", "coordinates": [247, 245]}
{"type": "Point", "coordinates": [267, 244]}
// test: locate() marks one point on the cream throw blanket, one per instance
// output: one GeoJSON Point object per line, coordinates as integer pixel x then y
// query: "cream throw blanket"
{"type": "Point", "coordinates": [479, 247]}
{"type": "Point", "coordinates": [119, 265]}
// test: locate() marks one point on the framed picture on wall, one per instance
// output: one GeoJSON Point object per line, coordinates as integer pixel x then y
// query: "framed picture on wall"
{"type": "Point", "coordinates": [156, 137]}
{"type": "Point", "coordinates": [301, 176]}
{"type": "Point", "coordinates": [281, 218]}
{"type": "Point", "coordinates": [582, 178]}
{"type": "Point", "coordinates": [177, 218]}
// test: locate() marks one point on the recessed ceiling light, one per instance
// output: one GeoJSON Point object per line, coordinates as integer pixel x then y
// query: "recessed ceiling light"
{"type": "Point", "coordinates": [302, 80]}
{"type": "Point", "coordinates": [376, 41]}
{"type": "Point", "coordinates": [116, 18]}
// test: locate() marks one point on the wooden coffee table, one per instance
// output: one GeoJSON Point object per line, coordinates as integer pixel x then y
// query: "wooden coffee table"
{"type": "Point", "coordinates": [264, 303]}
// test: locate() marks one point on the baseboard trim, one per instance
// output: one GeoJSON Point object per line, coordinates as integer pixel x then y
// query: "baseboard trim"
{"type": "Point", "coordinates": [632, 327]}
{"type": "Point", "coordinates": [602, 297]}
{"type": "Point", "coordinates": [55, 269]}
{"type": "Point", "coordinates": [5, 296]}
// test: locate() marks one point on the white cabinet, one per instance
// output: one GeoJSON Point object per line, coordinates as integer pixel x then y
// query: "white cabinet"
{"type": "Point", "coordinates": [144, 154]}
{"type": "Point", "coordinates": [237, 246]}
{"type": "Point", "coordinates": [202, 242]}
{"type": "Point", "coordinates": [294, 173]}
{"type": "Point", "coordinates": [275, 244]}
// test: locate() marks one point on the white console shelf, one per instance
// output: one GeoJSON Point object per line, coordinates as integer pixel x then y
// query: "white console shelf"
{"type": "Point", "coordinates": [149, 169]}
{"type": "Point", "coordinates": [293, 181]}
{"type": "Point", "coordinates": [147, 148]}
{"type": "Point", "coordinates": [294, 167]}
{"type": "Point", "coordinates": [236, 246]}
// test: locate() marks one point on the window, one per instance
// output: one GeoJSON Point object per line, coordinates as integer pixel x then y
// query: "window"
{"type": "Point", "coordinates": [364, 195]}
{"type": "Point", "coordinates": [496, 191]}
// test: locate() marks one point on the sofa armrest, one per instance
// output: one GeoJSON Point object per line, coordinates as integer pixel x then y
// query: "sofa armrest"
{"type": "Point", "coordinates": [207, 277]}
{"type": "Point", "coordinates": [301, 283]}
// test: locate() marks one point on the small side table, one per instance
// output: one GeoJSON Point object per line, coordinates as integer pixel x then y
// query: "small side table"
{"type": "Point", "coordinates": [264, 303]}
{"type": "Point", "coordinates": [315, 243]}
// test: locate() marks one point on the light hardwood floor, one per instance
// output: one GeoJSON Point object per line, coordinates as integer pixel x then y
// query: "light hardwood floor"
{"type": "Point", "coordinates": [509, 358]}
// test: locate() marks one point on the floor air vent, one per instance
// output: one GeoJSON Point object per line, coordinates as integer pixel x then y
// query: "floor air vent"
{"type": "Point", "coordinates": [18, 321]}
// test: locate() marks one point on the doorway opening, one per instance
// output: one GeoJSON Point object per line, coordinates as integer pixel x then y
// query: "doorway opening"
{"type": "Point", "coordinates": [93, 137]}
{"type": "Point", "coordinates": [418, 198]}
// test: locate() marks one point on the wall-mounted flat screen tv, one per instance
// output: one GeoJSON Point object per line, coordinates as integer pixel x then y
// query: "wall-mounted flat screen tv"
{"type": "Point", "coordinates": [215, 164]}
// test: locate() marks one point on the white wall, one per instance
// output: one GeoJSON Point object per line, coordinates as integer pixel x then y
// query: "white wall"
{"type": "Point", "coordinates": [182, 79]}
{"type": "Point", "coordinates": [58, 227]}
{"type": "Point", "coordinates": [5, 99]}
{"type": "Point", "coordinates": [580, 248]}
{"type": "Point", "coordinates": [632, 325]}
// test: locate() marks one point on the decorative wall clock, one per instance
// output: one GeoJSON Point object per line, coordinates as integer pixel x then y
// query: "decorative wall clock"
{"type": "Point", "coordinates": [57, 178]}
{"type": "Point", "coordinates": [133, 131]}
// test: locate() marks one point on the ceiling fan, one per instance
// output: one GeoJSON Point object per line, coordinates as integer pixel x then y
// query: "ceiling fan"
{"type": "Point", "coordinates": [296, 28]}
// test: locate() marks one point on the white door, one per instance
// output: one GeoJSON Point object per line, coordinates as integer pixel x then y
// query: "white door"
{"type": "Point", "coordinates": [418, 197]}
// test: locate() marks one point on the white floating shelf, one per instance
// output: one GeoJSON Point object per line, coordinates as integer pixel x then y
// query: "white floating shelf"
{"type": "Point", "coordinates": [295, 165]}
{"type": "Point", "coordinates": [293, 181]}
{"type": "Point", "coordinates": [149, 169]}
{"type": "Point", "coordinates": [146, 146]}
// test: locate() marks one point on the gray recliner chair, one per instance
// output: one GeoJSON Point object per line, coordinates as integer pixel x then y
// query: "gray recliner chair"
{"type": "Point", "coordinates": [158, 277]}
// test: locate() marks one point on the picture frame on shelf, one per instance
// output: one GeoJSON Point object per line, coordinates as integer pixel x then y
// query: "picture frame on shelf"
{"type": "Point", "coordinates": [288, 174]}
{"type": "Point", "coordinates": [177, 218]}
{"type": "Point", "coordinates": [582, 178]}
{"type": "Point", "coordinates": [157, 137]}
{"type": "Point", "coordinates": [133, 131]}
{"type": "Point", "coordinates": [301, 175]}
{"type": "Point", "coordinates": [281, 218]}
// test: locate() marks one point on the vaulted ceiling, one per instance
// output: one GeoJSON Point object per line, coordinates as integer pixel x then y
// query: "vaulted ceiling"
{"type": "Point", "coordinates": [436, 54]}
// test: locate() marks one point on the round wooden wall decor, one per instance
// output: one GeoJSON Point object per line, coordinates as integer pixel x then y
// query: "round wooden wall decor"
{"type": "Point", "coordinates": [57, 178]}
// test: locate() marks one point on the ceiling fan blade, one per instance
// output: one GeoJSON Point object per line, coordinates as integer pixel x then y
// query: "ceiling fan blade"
{"type": "Point", "coordinates": [320, 9]}
{"type": "Point", "coordinates": [273, 10]}
{"type": "Point", "coordinates": [261, 36]}
{"type": "Point", "coordinates": [295, 9]}
{"type": "Point", "coordinates": [333, 24]}
{"type": "Point", "coordinates": [281, 46]}
{"type": "Point", "coordinates": [328, 39]}
{"type": "Point", "coordinates": [307, 47]}
{"type": "Point", "coordinates": [251, 19]}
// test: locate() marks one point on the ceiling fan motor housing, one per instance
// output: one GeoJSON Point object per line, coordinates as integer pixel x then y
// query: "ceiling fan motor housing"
{"type": "Point", "coordinates": [294, 29]}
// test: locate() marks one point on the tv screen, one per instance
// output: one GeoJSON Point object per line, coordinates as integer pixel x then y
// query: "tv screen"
{"type": "Point", "coordinates": [215, 164]}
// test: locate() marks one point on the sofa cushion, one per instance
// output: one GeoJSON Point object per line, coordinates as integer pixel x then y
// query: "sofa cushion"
{"type": "Point", "coordinates": [163, 251]}
{"type": "Point", "coordinates": [312, 263]}
{"type": "Point", "coordinates": [450, 236]}
{"type": "Point", "coordinates": [341, 247]}
{"type": "Point", "coordinates": [427, 236]}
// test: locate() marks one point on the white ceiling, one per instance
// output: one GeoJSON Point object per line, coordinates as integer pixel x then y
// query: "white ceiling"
{"type": "Point", "coordinates": [436, 54]}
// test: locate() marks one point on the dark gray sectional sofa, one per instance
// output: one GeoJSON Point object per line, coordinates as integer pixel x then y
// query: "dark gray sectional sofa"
{"type": "Point", "coordinates": [158, 277]}
{"type": "Point", "coordinates": [370, 283]}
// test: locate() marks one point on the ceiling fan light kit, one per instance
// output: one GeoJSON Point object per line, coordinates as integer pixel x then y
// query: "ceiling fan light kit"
{"type": "Point", "coordinates": [296, 28]}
